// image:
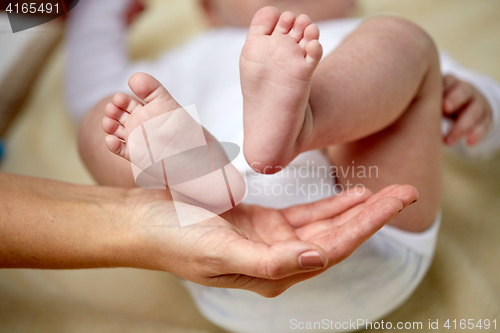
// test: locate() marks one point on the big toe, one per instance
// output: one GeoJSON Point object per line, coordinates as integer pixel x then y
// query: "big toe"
{"type": "Point", "coordinates": [148, 88]}
{"type": "Point", "coordinates": [265, 20]}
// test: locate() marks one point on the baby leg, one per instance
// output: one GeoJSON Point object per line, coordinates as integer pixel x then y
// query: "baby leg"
{"type": "Point", "coordinates": [376, 102]}
{"type": "Point", "coordinates": [277, 64]}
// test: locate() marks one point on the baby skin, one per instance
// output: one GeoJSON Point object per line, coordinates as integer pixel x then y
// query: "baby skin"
{"type": "Point", "coordinates": [374, 101]}
{"type": "Point", "coordinates": [174, 131]}
{"type": "Point", "coordinates": [344, 104]}
{"type": "Point", "coordinates": [277, 64]}
{"type": "Point", "coordinates": [276, 84]}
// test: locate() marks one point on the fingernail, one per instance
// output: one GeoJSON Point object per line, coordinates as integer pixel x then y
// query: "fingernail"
{"type": "Point", "coordinates": [311, 260]}
{"type": "Point", "coordinates": [411, 203]}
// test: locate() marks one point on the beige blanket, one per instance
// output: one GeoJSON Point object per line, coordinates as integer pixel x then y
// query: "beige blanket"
{"type": "Point", "coordinates": [463, 282]}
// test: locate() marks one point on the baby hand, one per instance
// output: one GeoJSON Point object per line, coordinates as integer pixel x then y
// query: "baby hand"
{"type": "Point", "coordinates": [468, 108]}
{"type": "Point", "coordinates": [135, 9]}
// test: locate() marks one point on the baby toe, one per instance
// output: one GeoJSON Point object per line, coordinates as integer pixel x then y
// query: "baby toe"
{"type": "Point", "coordinates": [285, 23]}
{"type": "Point", "coordinates": [147, 88]}
{"type": "Point", "coordinates": [264, 22]}
{"type": "Point", "coordinates": [122, 100]}
{"type": "Point", "coordinates": [115, 145]}
{"type": "Point", "coordinates": [314, 52]}
{"type": "Point", "coordinates": [114, 112]}
{"type": "Point", "coordinates": [126, 103]}
{"type": "Point", "coordinates": [311, 32]}
{"type": "Point", "coordinates": [112, 127]}
{"type": "Point", "coordinates": [301, 23]}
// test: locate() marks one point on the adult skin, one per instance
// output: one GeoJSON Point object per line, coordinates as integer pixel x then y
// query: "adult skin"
{"type": "Point", "coordinates": [51, 225]}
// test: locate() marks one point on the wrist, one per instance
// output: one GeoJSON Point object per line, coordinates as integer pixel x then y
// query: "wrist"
{"type": "Point", "coordinates": [106, 234]}
{"type": "Point", "coordinates": [114, 230]}
{"type": "Point", "coordinates": [146, 217]}
{"type": "Point", "coordinates": [107, 238]}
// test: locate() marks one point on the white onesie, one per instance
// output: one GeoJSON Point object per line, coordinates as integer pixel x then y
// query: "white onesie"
{"type": "Point", "coordinates": [375, 280]}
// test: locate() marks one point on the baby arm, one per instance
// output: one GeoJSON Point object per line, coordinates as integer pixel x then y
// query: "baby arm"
{"type": "Point", "coordinates": [468, 109]}
{"type": "Point", "coordinates": [471, 102]}
{"type": "Point", "coordinates": [97, 53]}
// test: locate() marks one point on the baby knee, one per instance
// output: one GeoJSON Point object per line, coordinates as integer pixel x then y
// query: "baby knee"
{"type": "Point", "coordinates": [405, 34]}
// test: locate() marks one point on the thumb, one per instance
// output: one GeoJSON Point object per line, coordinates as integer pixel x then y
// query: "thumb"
{"type": "Point", "coordinates": [274, 261]}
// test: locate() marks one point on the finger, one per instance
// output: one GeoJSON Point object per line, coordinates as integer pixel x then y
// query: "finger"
{"type": "Point", "coordinates": [264, 287]}
{"type": "Point", "coordinates": [267, 287]}
{"type": "Point", "coordinates": [448, 81]}
{"type": "Point", "coordinates": [271, 262]}
{"type": "Point", "coordinates": [470, 116]}
{"type": "Point", "coordinates": [457, 97]}
{"type": "Point", "coordinates": [135, 9]}
{"type": "Point", "coordinates": [405, 193]}
{"type": "Point", "coordinates": [479, 131]}
{"type": "Point", "coordinates": [307, 231]}
{"type": "Point", "coordinates": [342, 242]}
{"type": "Point", "coordinates": [301, 215]}
{"type": "Point", "coordinates": [372, 219]}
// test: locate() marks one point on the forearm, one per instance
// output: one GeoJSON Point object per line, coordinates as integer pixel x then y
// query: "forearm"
{"type": "Point", "coordinates": [52, 225]}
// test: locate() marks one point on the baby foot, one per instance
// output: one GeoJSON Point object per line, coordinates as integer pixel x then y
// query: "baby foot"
{"type": "Point", "coordinates": [165, 148]}
{"type": "Point", "coordinates": [277, 64]}
{"type": "Point", "coordinates": [126, 113]}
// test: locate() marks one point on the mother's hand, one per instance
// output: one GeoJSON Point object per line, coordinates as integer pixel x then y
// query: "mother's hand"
{"type": "Point", "coordinates": [259, 249]}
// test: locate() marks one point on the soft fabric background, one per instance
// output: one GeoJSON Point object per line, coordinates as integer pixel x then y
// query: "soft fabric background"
{"type": "Point", "coordinates": [464, 279]}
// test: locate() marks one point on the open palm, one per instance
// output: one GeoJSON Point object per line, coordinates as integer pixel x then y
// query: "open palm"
{"type": "Point", "coordinates": [258, 249]}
